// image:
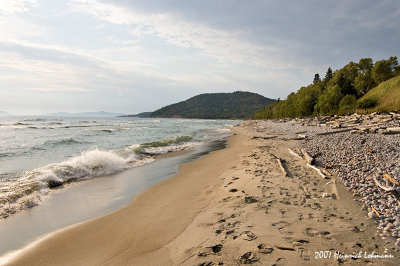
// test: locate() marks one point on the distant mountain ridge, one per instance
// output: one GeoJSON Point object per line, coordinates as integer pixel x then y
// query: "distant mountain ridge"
{"type": "Point", "coordinates": [139, 115]}
{"type": "Point", "coordinates": [85, 114]}
{"type": "Point", "coordinates": [3, 113]}
{"type": "Point", "coordinates": [236, 105]}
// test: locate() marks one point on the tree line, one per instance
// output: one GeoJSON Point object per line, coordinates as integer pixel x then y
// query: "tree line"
{"type": "Point", "coordinates": [337, 93]}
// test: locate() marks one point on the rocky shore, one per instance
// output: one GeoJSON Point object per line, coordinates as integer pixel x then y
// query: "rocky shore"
{"type": "Point", "coordinates": [363, 151]}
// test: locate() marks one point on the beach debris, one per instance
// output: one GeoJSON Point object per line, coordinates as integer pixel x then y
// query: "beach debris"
{"type": "Point", "coordinates": [233, 190]}
{"type": "Point", "coordinates": [250, 236]}
{"type": "Point", "coordinates": [295, 154]}
{"type": "Point", "coordinates": [384, 187]}
{"type": "Point", "coordinates": [265, 249]}
{"type": "Point", "coordinates": [375, 211]}
{"type": "Point", "coordinates": [326, 195]}
{"type": "Point", "coordinates": [249, 258]}
{"type": "Point", "coordinates": [318, 171]}
{"type": "Point", "coordinates": [326, 172]}
{"type": "Point", "coordinates": [357, 157]}
{"type": "Point", "coordinates": [392, 130]}
{"type": "Point", "coordinates": [310, 160]}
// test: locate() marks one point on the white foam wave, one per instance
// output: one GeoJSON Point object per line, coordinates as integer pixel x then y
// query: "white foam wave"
{"type": "Point", "coordinates": [223, 130]}
{"type": "Point", "coordinates": [171, 148]}
{"type": "Point", "coordinates": [28, 190]}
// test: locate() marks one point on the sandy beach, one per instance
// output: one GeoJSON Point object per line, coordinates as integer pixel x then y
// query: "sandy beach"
{"type": "Point", "coordinates": [234, 206]}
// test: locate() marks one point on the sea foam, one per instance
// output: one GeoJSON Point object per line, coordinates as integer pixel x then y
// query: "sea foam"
{"type": "Point", "coordinates": [32, 186]}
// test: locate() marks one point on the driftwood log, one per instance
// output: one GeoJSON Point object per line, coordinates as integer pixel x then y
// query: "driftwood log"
{"type": "Point", "coordinates": [318, 171]}
{"type": "Point", "coordinates": [385, 188]}
{"type": "Point", "coordinates": [294, 153]}
{"type": "Point", "coordinates": [308, 157]}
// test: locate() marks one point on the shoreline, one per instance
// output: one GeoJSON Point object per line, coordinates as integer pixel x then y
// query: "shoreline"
{"type": "Point", "coordinates": [109, 236]}
{"type": "Point", "coordinates": [232, 206]}
{"type": "Point", "coordinates": [67, 206]}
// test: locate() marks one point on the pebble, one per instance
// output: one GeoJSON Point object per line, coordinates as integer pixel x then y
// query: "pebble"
{"type": "Point", "coordinates": [356, 158]}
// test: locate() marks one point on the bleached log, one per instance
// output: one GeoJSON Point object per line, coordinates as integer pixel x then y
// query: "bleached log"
{"type": "Point", "coordinates": [318, 171]}
{"type": "Point", "coordinates": [385, 188]}
{"type": "Point", "coordinates": [308, 157]}
{"type": "Point", "coordinates": [295, 154]}
{"type": "Point", "coordinates": [392, 130]}
{"type": "Point", "coordinates": [326, 172]}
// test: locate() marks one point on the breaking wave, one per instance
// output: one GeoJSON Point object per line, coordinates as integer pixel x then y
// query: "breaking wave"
{"type": "Point", "coordinates": [32, 186]}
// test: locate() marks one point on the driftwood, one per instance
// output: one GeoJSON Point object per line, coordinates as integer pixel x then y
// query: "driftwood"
{"type": "Point", "coordinates": [375, 211]}
{"type": "Point", "coordinates": [294, 153]}
{"type": "Point", "coordinates": [385, 188]}
{"type": "Point", "coordinates": [281, 166]}
{"type": "Point", "coordinates": [318, 171]}
{"type": "Point", "coordinates": [326, 172]}
{"type": "Point", "coordinates": [334, 132]}
{"type": "Point", "coordinates": [391, 179]}
{"type": "Point", "coordinates": [308, 157]}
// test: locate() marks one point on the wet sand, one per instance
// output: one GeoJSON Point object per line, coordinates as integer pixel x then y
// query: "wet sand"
{"type": "Point", "coordinates": [233, 206]}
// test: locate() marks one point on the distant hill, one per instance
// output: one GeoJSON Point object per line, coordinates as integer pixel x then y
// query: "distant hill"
{"type": "Point", "coordinates": [139, 115]}
{"type": "Point", "coordinates": [383, 98]}
{"type": "Point", "coordinates": [87, 114]}
{"type": "Point", "coordinates": [216, 106]}
{"type": "Point", "coordinates": [3, 113]}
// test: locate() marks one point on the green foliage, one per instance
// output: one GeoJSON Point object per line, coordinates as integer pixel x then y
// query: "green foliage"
{"type": "Point", "coordinates": [347, 105]}
{"type": "Point", "coordinates": [328, 102]}
{"type": "Point", "coordinates": [328, 74]}
{"type": "Point", "coordinates": [383, 98]}
{"type": "Point", "coordinates": [317, 78]}
{"type": "Point", "coordinates": [367, 103]}
{"type": "Point", "coordinates": [339, 91]}
{"type": "Point", "coordinates": [237, 105]}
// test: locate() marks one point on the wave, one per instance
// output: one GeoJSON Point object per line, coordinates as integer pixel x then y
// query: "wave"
{"type": "Point", "coordinates": [32, 186]}
{"type": "Point", "coordinates": [166, 142]}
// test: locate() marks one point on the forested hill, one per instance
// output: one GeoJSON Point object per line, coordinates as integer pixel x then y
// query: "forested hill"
{"type": "Point", "coordinates": [357, 87]}
{"type": "Point", "coordinates": [216, 106]}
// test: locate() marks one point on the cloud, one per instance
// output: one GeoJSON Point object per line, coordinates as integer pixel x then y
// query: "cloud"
{"type": "Point", "coordinates": [224, 46]}
{"type": "Point", "coordinates": [16, 6]}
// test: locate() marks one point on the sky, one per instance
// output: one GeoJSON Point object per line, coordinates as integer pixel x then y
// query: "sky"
{"type": "Point", "coordinates": [135, 56]}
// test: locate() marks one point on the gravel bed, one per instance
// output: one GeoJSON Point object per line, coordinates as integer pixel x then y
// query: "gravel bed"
{"type": "Point", "coordinates": [356, 158]}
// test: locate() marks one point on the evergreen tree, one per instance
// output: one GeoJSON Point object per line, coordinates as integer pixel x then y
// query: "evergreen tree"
{"type": "Point", "coordinates": [317, 78]}
{"type": "Point", "coordinates": [328, 75]}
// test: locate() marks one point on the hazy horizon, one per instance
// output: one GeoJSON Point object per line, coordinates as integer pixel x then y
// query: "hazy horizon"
{"type": "Point", "coordinates": [137, 56]}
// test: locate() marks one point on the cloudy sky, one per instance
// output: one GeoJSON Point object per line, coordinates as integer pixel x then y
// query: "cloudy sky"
{"type": "Point", "coordinates": [133, 56]}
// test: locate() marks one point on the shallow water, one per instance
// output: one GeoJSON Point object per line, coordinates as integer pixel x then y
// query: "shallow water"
{"type": "Point", "coordinates": [38, 153]}
{"type": "Point", "coordinates": [89, 199]}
